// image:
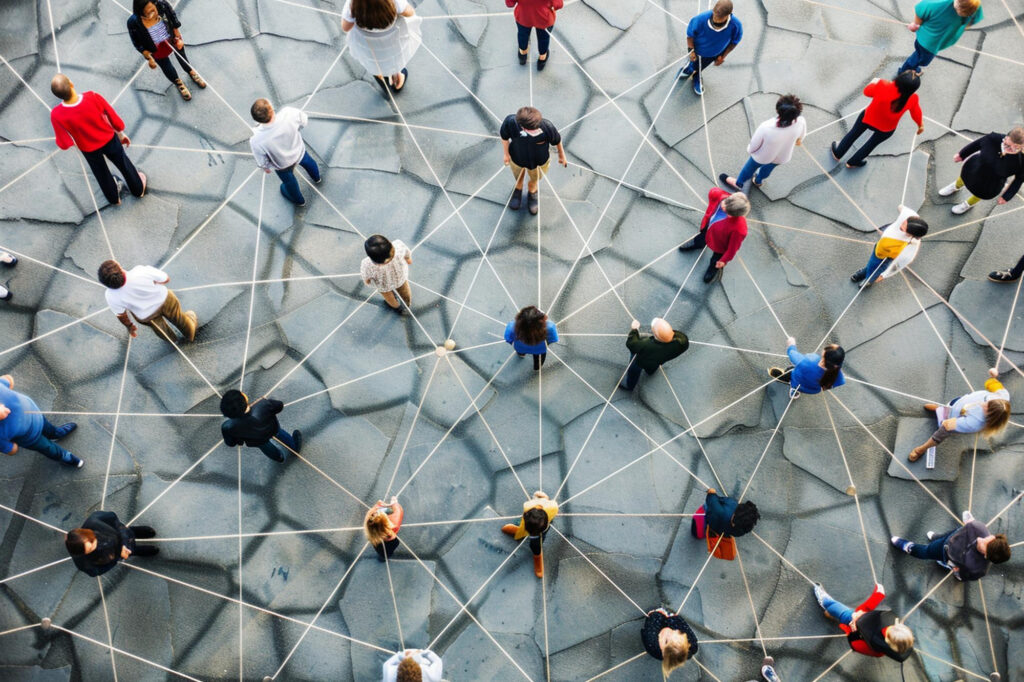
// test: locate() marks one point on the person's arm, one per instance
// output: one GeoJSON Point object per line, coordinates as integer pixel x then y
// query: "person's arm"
{"type": "Point", "coordinates": [229, 440]}
{"type": "Point", "coordinates": [8, 447]}
{"type": "Point", "coordinates": [872, 602]}
{"type": "Point", "coordinates": [561, 155]}
{"type": "Point", "coordinates": [511, 3]}
{"type": "Point", "coordinates": [167, 12]}
{"type": "Point", "coordinates": [736, 238]}
{"type": "Point", "coordinates": [7, 380]}
{"type": "Point", "coordinates": [125, 319]}
{"type": "Point", "coordinates": [968, 149]}
{"type": "Point", "coordinates": [633, 341]}
{"type": "Point", "coordinates": [552, 333]}
{"type": "Point", "coordinates": [408, 256]}
{"type": "Point", "coordinates": [756, 140]}
{"type": "Point", "coordinates": [691, 29]}
{"type": "Point", "coordinates": [115, 120]}
{"type": "Point", "coordinates": [408, 11]}
{"type": "Point", "coordinates": [992, 384]}
{"type": "Point", "coordinates": [510, 332]}
{"type": "Point", "coordinates": [916, 113]}
{"type": "Point", "coordinates": [504, 147]}
{"type": "Point", "coordinates": [434, 667]}
{"type": "Point", "coordinates": [732, 45]}
{"type": "Point", "coordinates": [396, 516]}
{"type": "Point", "coordinates": [794, 355]}
{"type": "Point", "coordinates": [347, 26]}
{"type": "Point", "coordinates": [261, 157]}
{"type": "Point", "coordinates": [275, 405]}
{"type": "Point", "coordinates": [1012, 190]}
{"type": "Point", "coordinates": [61, 136]}
{"type": "Point", "coordinates": [915, 24]}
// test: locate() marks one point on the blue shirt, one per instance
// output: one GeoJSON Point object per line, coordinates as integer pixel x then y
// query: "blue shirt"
{"type": "Point", "coordinates": [807, 372]}
{"type": "Point", "coordinates": [538, 349]}
{"type": "Point", "coordinates": [20, 425]}
{"type": "Point", "coordinates": [707, 42]}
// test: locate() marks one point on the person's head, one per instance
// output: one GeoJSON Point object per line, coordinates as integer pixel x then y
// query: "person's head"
{"type": "Point", "coordinates": [528, 118]}
{"type": "Point", "coordinates": [832, 357]}
{"type": "Point", "coordinates": [234, 404]}
{"type": "Point", "coordinates": [899, 637]}
{"type": "Point", "coordinates": [966, 8]}
{"type": "Point", "coordinates": [745, 517]}
{"type": "Point", "coordinates": [675, 650]}
{"type": "Point", "coordinates": [788, 109]}
{"type": "Point", "coordinates": [915, 227]}
{"type": "Point", "coordinates": [80, 541]}
{"type": "Point", "coordinates": [997, 416]}
{"type": "Point", "coordinates": [907, 83]}
{"type": "Point", "coordinates": [379, 249]}
{"type": "Point", "coordinates": [736, 204]}
{"type": "Point", "coordinates": [662, 330]}
{"type": "Point", "coordinates": [531, 326]}
{"type": "Point", "coordinates": [144, 8]}
{"type": "Point", "coordinates": [111, 274]}
{"type": "Point", "coordinates": [998, 549]}
{"type": "Point", "coordinates": [262, 111]}
{"type": "Point", "coordinates": [721, 11]}
{"type": "Point", "coordinates": [535, 521]}
{"type": "Point", "coordinates": [409, 670]}
{"type": "Point", "coordinates": [377, 526]}
{"type": "Point", "coordinates": [1014, 141]}
{"type": "Point", "coordinates": [373, 13]}
{"type": "Point", "coordinates": [62, 87]}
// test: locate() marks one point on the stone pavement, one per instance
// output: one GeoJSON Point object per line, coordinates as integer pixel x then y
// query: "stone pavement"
{"type": "Point", "coordinates": [462, 437]}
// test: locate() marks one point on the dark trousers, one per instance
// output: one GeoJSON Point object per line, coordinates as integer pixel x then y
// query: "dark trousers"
{"type": "Point", "coordinates": [536, 543]}
{"type": "Point", "coordinates": [632, 374]}
{"type": "Point", "coordinates": [386, 549]}
{"type": "Point", "coordinates": [697, 67]}
{"type": "Point", "coordinates": [290, 186]}
{"type": "Point", "coordinates": [875, 267]}
{"type": "Point", "coordinates": [699, 242]}
{"type": "Point", "coordinates": [934, 550]}
{"type": "Point", "coordinates": [543, 38]}
{"type": "Point", "coordinates": [114, 151]}
{"type": "Point", "coordinates": [918, 60]}
{"type": "Point", "coordinates": [273, 449]}
{"type": "Point", "coordinates": [44, 445]}
{"type": "Point", "coordinates": [1018, 269]}
{"type": "Point", "coordinates": [168, 68]}
{"type": "Point", "coordinates": [858, 129]}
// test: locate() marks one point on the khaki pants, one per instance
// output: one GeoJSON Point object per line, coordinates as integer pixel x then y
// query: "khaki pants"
{"type": "Point", "coordinates": [403, 291]}
{"type": "Point", "coordinates": [534, 174]}
{"type": "Point", "coordinates": [170, 311]}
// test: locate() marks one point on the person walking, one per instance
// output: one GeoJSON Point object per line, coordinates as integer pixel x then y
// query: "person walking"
{"type": "Point", "coordinates": [895, 249]}
{"type": "Point", "coordinates": [142, 291]}
{"type": "Point", "coordinates": [155, 32]}
{"type": "Point", "coordinates": [772, 144]}
{"type": "Point", "coordinates": [386, 267]}
{"type": "Point", "coordinates": [526, 138]}
{"type": "Point", "coordinates": [669, 639]}
{"type": "Point", "coordinates": [648, 353]}
{"type": "Point", "coordinates": [8, 260]}
{"type": "Point", "coordinates": [22, 425]}
{"type": "Point", "coordinates": [277, 146]}
{"type": "Point", "coordinates": [967, 550]}
{"type": "Point", "coordinates": [870, 632]}
{"type": "Point", "coordinates": [989, 162]}
{"type": "Point", "coordinates": [889, 101]}
{"type": "Point", "coordinates": [382, 523]}
{"type": "Point", "coordinates": [538, 513]}
{"type": "Point", "coordinates": [387, 35]}
{"type": "Point", "coordinates": [413, 665]}
{"type": "Point", "coordinates": [938, 24]}
{"type": "Point", "coordinates": [710, 37]}
{"type": "Point", "coordinates": [536, 15]}
{"type": "Point", "coordinates": [256, 426]}
{"type": "Point", "coordinates": [103, 540]}
{"type": "Point", "coordinates": [1008, 275]}
{"type": "Point", "coordinates": [986, 411]}
{"type": "Point", "coordinates": [87, 121]}
{"type": "Point", "coordinates": [531, 332]}
{"type": "Point", "coordinates": [723, 229]}
{"type": "Point", "coordinates": [725, 516]}
{"type": "Point", "coordinates": [811, 373]}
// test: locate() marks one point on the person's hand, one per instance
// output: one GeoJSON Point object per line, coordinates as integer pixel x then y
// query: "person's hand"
{"type": "Point", "coordinates": [152, 62]}
{"type": "Point", "coordinates": [394, 500]}
{"type": "Point", "coordinates": [1001, 201]}
{"type": "Point", "coordinates": [635, 324]}
{"type": "Point", "coordinates": [718, 60]}
{"type": "Point", "coordinates": [949, 424]}
{"type": "Point", "coordinates": [125, 140]}
{"type": "Point", "coordinates": [14, 449]}
{"type": "Point", "coordinates": [711, 491]}
{"type": "Point", "coordinates": [508, 159]}
{"type": "Point", "coordinates": [920, 129]}
{"type": "Point", "coordinates": [133, 331]}
{"type": "Point", "coordinates": [956, 157]}
{"type": "Point", "coordinates": [562, 160]}
{"type": "Point", "coordinates": [541, 494]}
{"type": "Point", "coordinates": [693, 56]}
{"type": "Point", "coordinates": [719, 265]}
{"type": "Point", "coordinates": [912, 27]}
{"type": "Point", "coordinates": [125, 552]}
{"type": "Point", "coordinates": [880, 588]}
{"type": "Point", "coordinates": [10, 379]}
{"type": "Point", "coordinates": [790, 341]}
{"type": "Point", "coordinates": [994, 373]}
{"type": "Point", "coordinates": [179, 43]}
{"type": "Point", "coordinates": [267, 171]}
{"type": "Point", "coordinates": [800, 142]}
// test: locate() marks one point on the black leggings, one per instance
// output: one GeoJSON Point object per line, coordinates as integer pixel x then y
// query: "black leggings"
{"type": "Point", "coordinates": [387, 548]}
{"type": "Point", "coordinates": [168, 68]}
{"type": "Point", "coordinates": [858, 129]}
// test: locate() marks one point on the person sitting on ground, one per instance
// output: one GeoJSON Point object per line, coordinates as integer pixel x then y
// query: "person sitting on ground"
{"type": "Point", "coordinates": [103, 540]}
{"type": "Point", "coordinates": [890, 253]}
{"type": "Point", "coordinates": [967, 551]}
{"type": "Point", "coordinates": [986, 411]}
{"type": "Point", "coordinates": [413, 665]}
{"type": "Point", "coordinates": [668, 638]}
{"type": "Point", "coordinates": [382, 523]}
{"type": "Point", "coordinates": [724, 516]}
{"type": "Point", "coordinates": [386, 267]}
{"type": "Point", "coordinates": [256, 425]}
{"type": "Point", "coordinates": [531, 332]}
{"type": "Point", "coordinates": [10, 260]}
{"type": "Point", "coordinates": [648, 353]}
{"type": "Point", "coordinates": [538, 512]}
{"type": "Point", "coordinates": [869, 632]}
{"type": "Point", "coordinates": [22, 425]}
{"type": "Point", "coordinates": [527, 138]}
{"type": "Point", "coordinates": [811, 373]}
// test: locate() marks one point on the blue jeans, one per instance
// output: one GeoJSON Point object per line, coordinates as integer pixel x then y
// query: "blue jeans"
{"type": "Point", "coordinates": [918, 60]}
{"type": "Point", "coordinates": [698, 66]}
{"type": "Point", "coordinates": [632, 374]}
{"type": "Point", "coordinates": [47, 447]}
{"type": "Point", "coordinates": [934, 550]}
{"type": "Point", "coordinates": [875, 267]}
{"type": "Point", "coordinates": [753, 169]}
{"type": "Point", "coordinates": [274, 451]}
{"type": "Point", "coordinates": [290, 186]}
{"type": "Point", "coordinates": [838, 610]}
{"type": "Point", "coordinates": [543, 38]}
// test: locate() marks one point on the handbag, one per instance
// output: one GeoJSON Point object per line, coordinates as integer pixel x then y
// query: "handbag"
{"type": "Point", "coordinates": [698, 525]}
{"type": "Point", "coordinates": [724, 549]}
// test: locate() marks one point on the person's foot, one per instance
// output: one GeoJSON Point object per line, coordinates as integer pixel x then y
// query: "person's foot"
{"type": "Point", "coordinates": [757, 184]}
{"type": "Point", "coordinates": [858, 276]}
{"type": "Point", "coordinates": [516, 200]}
{"type": "Point", "coordinates": [710, 275]}
{"type": "Point", "coordinates": [399, 80]}
{"type": "Point", "coordinates": [689, 246]}
{"type": "Point", "coordinates": [121, 189]}
{"type": "Point", "coordinates": [533, 202]}
{"type": "Point", "coordinates": [285, 195]}
{"type": "Point", "coordinates": [143, 532]}
{"type": "Point", "coordinates": [509, 529]}
{"type": "Point", "coordinates": [903, 545]}
{"type": "Point", "coordinates": [523, 56]}
{"type": "Point", "coordinates": [77, 462]}
{"type": "Point", "coordinates": [191, 335]}
{"type": "Point", "coordinates": [197, 78]}
{"type": "Point", "coordinates": [930, 535]}
{"type": "Point", "coordinates": [624, 387]}
{"type": "Point", "coordinates": [916, 453]}
{"type": "Point", "coordinates": [64, 430]}
{"type": "Point", "coordinates": [542, 60]}
{"type": "Point", "coordinates": [1002, 276]}
{"type": "Point", "coordinates": [768, 673]}
{"type": "Point", "coordinates": [146, 550]}
{"type": "Point", "coordinates": [729, 181]}
{"type": "Point", "coordinates": [931, 407]}
{"type": "Point", "coordinates": [5, 292]}
{"type": "Point", "coordinates": [183, 89]}
{"type": "Point", "coordinates": [683, 74]}
{"type": "Point", "coordinates": [8, 259]}
{"type": "Point", "coordinates": [835, 151]}
{"type": "Point", "coordinates": [949, 190]}
{"type": "Point", "coordinates": [297, 437]}
{"type": "Point", "coordinates": [538, 565]}
{"type": "Point", "coordinates": [967, 516]}
{"type": "Point", "coordinates": [776, 373]}
{"type": "Point", "coordinates": [856, 164]}
{"type": "Point", "coordinates": [698, 87]}
{"type": "Point", "coordinates": [961, 208]}
{"type": "Point", "coordinates": [145, 183]}
{"type": "Point", "coordinates": [820, 594]}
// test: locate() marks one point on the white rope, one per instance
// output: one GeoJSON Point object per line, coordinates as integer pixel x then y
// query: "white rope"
{"type": "Point", "coordinates": [646, 192]}
{"type": "Point", "coordinates": [28, 141]}
{"type": "Point", "coordinates": [323, 78]}
{"type": "Point", "coordinates": [784, 559]}
{"type": "Point", "coordinates": [51, 267]}
{"type": "Point", "coordinates": [770, 639]}
{"type": "Point", "coordinates": [189, 150]}
{"type": "Point", "coordinates": [117, 420]}
{"type": "Point", "coordinates": [949, 663]}
{"type": "Point", "coordinates": [461, 304]}
{"type": "Point", "coordinates": [28, 87]}
{"type": "Point", "coordinates": [974, 462]}
{"type": "Point", "coordinates": [19, 629]}
{"type": "Point", "coordinates": [1001, 511]}
{"type": "Point", "coordinates": [689, 424]}
{"type": "Point", "coordinates": [620, 665]}
{"type": "Point", "coordinates": [989, 54]}
{"type": "Point", "coordinates": [241, 611]}
{"type": "Point", "coordinates": [1009, 321]}
{"type": "Point", "coordinates": [775, 431]}
{"type": "Point", "coordinates": [33, 570]}
{"type": "Point", "coordinates": [603, 574]}
{"type": "Point", "coordinates": [159, 330]}
{"type": "Point", "coordinates": [122, 652]}
{"type": "Point", "coordinates": [927, 595]}
{"type": "Point", "coordinates": [128, 83]}
{"type": "Point", "coordinates": [313, 9]}
{"type": "Point", "coordinates": [707, 562]}
{"type": "Point", "coordinates": [173, 483]}
{"type": "Point", "coordinates": [324, 474]}
{"type": "Point", "coordinates": [394, 600]}
{"type": "Point", "coordinates": [457, 211]}
{"type": "Point", "coordinates": [32, 518]}
{"type": "Point", "coordinates": [938, 334]}
{"type": "Point", "coordinates": [51, 332]}
{"type": "Point", "coordinates": [278, 280]}
{"type": "Point", "coordinates": [910, 164]}
{"type": "Point", "coordinates": [988, 627]}
{"type": "Point", "coordinates": [890, 390]}
{"type": "Point", "coordinates": [829, 669]}
{"type": "Point", "coordinates": [396, 124]}
{"type": "Point", "coordinates": [106, 620]}
{"type": "Point", "coordinates": [95, 207]}
{"type": "Point", "coordinates": [53, 36]}
{"type": "Point", "coordinates": [330, 203]}
{"type": "Point", "coordinates": [252, 288]}
{"type": "Point", "coordinates": [32, 168]}
{"type": "Point", "coordinates": [832, 123]}
{"type": "Point", "coordinates": [361, 378]}
{"type": "Point", "coordinates": [761, 293]}
{"type": "Point", "coordinates": [412, 427]}
{"type": "Point", "coordinates": [810, 232]}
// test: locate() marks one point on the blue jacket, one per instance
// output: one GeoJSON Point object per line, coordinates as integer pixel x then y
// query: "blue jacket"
{"type": "Point", "coordinates": [707, 42]}
{"type": "Point", "coordinates": [24, 424]}
{"type": "Point", "coordinates": [718, 511]}
{"type": "Point", "coordinates": [807, 373]}
{"type": "Point", "coordinates": [537, 349]}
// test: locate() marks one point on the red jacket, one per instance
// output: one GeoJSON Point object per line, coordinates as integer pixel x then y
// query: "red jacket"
{"type": "Point", "coordinates": [726, 235]}
{"type": "Point", "coordinates": [859, 645]}
{"type": "Point", "coordinates": [535, 13]}
{"type": "Point", "coordinates": [879, 114]}
{"type": "Point", "coordinates": [89, 124]}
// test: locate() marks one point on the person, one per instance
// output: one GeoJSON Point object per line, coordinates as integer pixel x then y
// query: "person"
{"type": "Point", "coordinates": [382, 523]}
{"type": "Point", "coordinates": [769, 674]}
{"type": "Point", "coordinates": [648, 353]}
{"type": "Point", "coordinates": [278, 146]}
{"type": "Point", "coordinates": [103, 540]}
{"type": "Point", "coordinates": [386, 267]}
{"type": "Point", "coordinates": [525, 138]}
{"type": "Point", "coordinates": [668, 638]}
{"type": "Point", "coordinates": [539, 15]}
{"type": "Point", "coordinates": [22, 425]}
{"type": "Point", "coordinates": [724, 516]}
{"type": "Point", "coordinates": [413, 665]}
{"type": "Point", "coordinates": [385, 39]}
{"type": "Point", "coordinates": [967, 550]}
{"type": "Point", "coordinates": [710, 37]}
{"type": "Point", "coordinates": [938, 24]}
{"type": "Point", "coordinates": [870, 632]}
{"type": "Point", "coordinates": [8, 260]}
{"type": "Point", "coordinates": [538, 513]}
{"type": "Point", "coordinates": [723, 229]}
{"type": "Point", "coordinates": [256, 425]}
{"type": "Point", "coordinates": [810, 373]}
{"type": "Point", "coordinates": [143, 292]}
{"type": "Point", "coordinates": [531, 332]}
{"type": "Point", "coordinates": [889, 101]}
{"type": "Point", "coordinates": [772, 144]}
{"type": "Point", "coordinates": [891, 253]}
{"type": "Point", "coordinates": [986, 411]}
{"type": "Point", "coordinates": [153, 27]}
{"type": "Point", "coordinates": [87, 121]}
{"type": "Point", "coordinates": [1008, 275]}
{"type": "Point", "coordinates": [989, 162]}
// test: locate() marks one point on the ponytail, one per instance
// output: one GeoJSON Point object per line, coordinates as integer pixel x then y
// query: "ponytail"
{"type": "Point", "coordinates": [833, 356]}
{"type": "Point", "coordinates": [907, 84]}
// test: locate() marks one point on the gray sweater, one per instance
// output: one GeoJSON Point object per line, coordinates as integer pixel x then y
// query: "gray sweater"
{"type": "Point", "coordinates": [962, 551]}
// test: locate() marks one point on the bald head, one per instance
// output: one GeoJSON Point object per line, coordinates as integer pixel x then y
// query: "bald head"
{"type": "Point", "coordinates": [61, 87]}
{"type": "Point", "coordinates": [662, 330]}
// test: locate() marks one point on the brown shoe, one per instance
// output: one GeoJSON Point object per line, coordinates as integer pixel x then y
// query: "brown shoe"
{"type": "Point", "coordinates": [538, 565]}
{"type": "Point", "coordinates": [197, 78]}
{"type": "Point", "coordinates": [191, 315]}
{"type": "Point", "coordinates": [916, 453]}
{"type": "Point", "coordinates": [509, 529]}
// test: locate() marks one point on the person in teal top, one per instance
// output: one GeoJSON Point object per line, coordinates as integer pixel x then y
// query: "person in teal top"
{"type": "Point", "coordinates": [938, 25]}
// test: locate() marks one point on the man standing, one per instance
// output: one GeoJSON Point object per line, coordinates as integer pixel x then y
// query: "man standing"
{"type": "Point", "coordinates": [88, 121]}
{"type": "Point", "coordinates": [651, 352]}
{"type": "Point", "coordinates": [23, 424]}
{"type": "Point", "coordinates": [278, 146]}
{"type": "Point", "coordinates": [938, 25]}
{"type": "Point", "coordinates": [256, 426]}
{"type": "Point", "coordinates": [143, 292]}
{"type": "Point", "coordinates": [526, 138]}
{"type": "Point", "coordinates": [711, 36]}
{"type": "Point", "coordinates": [967, 551]}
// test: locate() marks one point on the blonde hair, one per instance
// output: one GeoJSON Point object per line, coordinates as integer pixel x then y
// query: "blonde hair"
{"type": "Point", "coordinates": [675, 653]}
{"type": "Point", "coordinates": [899, 637]}
{"type": "Point", "coordinates": [997, 416]}
{"type": "Point", "coordinates": [377, 526]}
{"type": "Point", "coordinates": [966, 7]}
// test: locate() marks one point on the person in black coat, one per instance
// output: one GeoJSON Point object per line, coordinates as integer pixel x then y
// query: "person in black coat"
{"type": "Point", "coordinates": [154, 30]}
{"type": "Point", "coordinates": [989, 162]}
{"type": "Point", "coordinates": [668, 638]}
{"type": "Point", "coordinates": [257, 426]}
{"type": "Point", "coordinates": [103, 540]}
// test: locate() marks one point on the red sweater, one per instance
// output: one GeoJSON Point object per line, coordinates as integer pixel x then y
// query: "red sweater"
{"type": "Point", "coordinates": [879, 114]}
{"type": "Point", "coordinates": [859, 645]}
{"type": "Point", "coordinates": [535, 13]}
{"type": "Point", "coordinates": [723, 236]}
{"type": "Point", "coordinates": [89, 123]}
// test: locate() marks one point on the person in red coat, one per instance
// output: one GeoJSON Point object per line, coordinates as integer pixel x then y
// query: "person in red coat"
{"type": "Point", "coordinates": [722, 230]}
{"type": "Point", "coordinates": [870, 632]}
{"type": "Point", "coordinates": [535, 14]}
{"type": "Point", "coordinates": [889, 101]}
{"type": "Point", "coordinates": [87, 121]}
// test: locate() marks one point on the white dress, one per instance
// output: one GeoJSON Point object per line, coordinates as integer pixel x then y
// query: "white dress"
{"type": "Point", "coordinates": [384, 51]}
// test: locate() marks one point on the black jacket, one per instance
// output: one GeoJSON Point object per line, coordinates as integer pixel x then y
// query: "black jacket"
{"type": "Point", "coordinates": [140, 35]}
{"type": "Point", "coordinates": [986, 169]}
{"type": "Point", "coordinates": [655, 622]}
{"type": "Point", "coordinates": [111, 536]}
{"type": "Point", "coordinates": [870, 628]}
{"type": "Point", "coordinates": [651, 353]}
{"type": "Point", "coordinates": [254, 428]}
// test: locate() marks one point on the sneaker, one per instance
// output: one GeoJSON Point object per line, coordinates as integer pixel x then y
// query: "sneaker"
{"type": "Point", "coordinates": [5, 293]}
{"type": "Point", "coordinates": [835, 151]}
{"type": "Point", "coordinates": [1002, 276]}
{"type": "Point", "coordinates": [967, 516]}
{"type": "Point", "coordinates": [81, 463]}
{"type": "Point", "coordinates": [793, 394]}
{"type": "Point", "coordinates": [711, 275]}
{"type": "Point", "coordinates": [820, 594]}
{"type": "Point", "coordinates": [901, 544]}
{"type": "Point", "coordinates": [776, 373]}
{"type": "Point", "coordinates": [931, 535]}
{"type": "Point", "coordinates": [949, 190]}
{"type": "Point", "coordinates": [516, 200]}
{"type": "Point", "coordinates": [698, 87]}
{"type": "Point", "coordinates": [8, 259]}
{"type": "Point", "coordinates": [961, 208]}
{"type": "Point", "coordinates": [64, 430]}
{"type": "Point", "coordinates": [768, 673]}
{"type": "Point", "coordinates": [684, 73]}
{"type": "Point", "coordinates": [858, 276]}
{"type": "Point", "coordinates": [297, 437]}
{"type": "Point", "coordinates": [145, 184]}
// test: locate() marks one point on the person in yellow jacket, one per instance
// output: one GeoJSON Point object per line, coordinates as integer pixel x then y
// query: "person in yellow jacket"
{"type": "Point", "coordinates": [538, 512]}
{"type": "Point", "coordinates": [891, 254]}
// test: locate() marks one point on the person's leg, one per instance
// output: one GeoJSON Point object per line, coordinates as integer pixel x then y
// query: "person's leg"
{"type": "Point", "coordinates": [405, 292]}
{"type": "Point", "coordinates": [114, 151]}
{"type": "Point", "coordinates": [57, 432]}
{"type": "Point", "coordinates": [876, 266]}
{"type": "Point", "coordinates": [290, 186]}
{"type": "Point", "coordinates": [856, 130]}
{"type": "Point", "coordinates": [877, 138]}
{"type": "Point", "coordinates": [523, 35]}
{"type": "Point", "coordinates": [933, 551]}
{"type": "Point", "coordinates": [702, 64]}
{"type": "Point", "coordinates": [712, 270]}
{"type": "Point", "coordinates": [286, 438]}
{"type": "Point", "coordinates": [520, 174]}
{"type": "Point", "coordinates": [143, 532]}
{"type": "Point", "coordinates": [534, 175]}
{"type": "Point", "coordinates": [747, 172]}
{"type": "Point", "coordinates": [698, 242]}
{"type": "Point", "coordinates": [919, 59]}
{"type": "Point", "coordinates": [168, 68]}
{"type": "Point", "coordinates": [50, 450]}
{"type": "Point", "coordinates": [536, 363]}
{"type": "Point", "coordinates": [159, 326]}
{"type": "Point", "coordinates": [308, 164]}
{"type": "Point", "coordinates": [390, 546]}
{"type": "Point", "coordinates": [841, 612]}
{"type": "Point", "coordinates": [185, 322]}
{"type": "Point", "coordinates": [763, 172]}
{"type": "Point", "coordinates": [389, 298]}
{"type": "Point", "coordinates": [536, 544]}
{"type": "Point", "coordinates": [632, 374]}
{"type": "Point", "coordinates": [783, 376]}
{"type": "Point", "coordinates": [100, 171]}
{"type": "Point", "coordinates": [1018, 269]}
{"type": "Point", "coordinates": [273, 451]}
{"type": "Point", "coordinates": [182, 59]}
{"type": "Point", "coordinates": [543, 41]}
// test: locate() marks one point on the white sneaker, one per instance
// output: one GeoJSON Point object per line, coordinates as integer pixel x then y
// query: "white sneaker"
{"type": "Point", "coordinates": [5, 293]}
{"type": "Point", "coordinates": [930, 535]}
{"type": "Point", "coordinates": [967, 516]}
{"type": "Point", "coordinates": [949, 190]}
{"type": "Point", "coordinates": [961, 208]}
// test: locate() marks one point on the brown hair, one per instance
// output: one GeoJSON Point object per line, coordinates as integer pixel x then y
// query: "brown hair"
{"type": "Point", "coordinates": [373, 14]}
{"type": "Point", "coordinates": [531, 326]}
{"type": "Point", "coordinates": [377, 526]}
{"type": "Point", "coordinates": [1017, 135]}
{"type": "Point", "coordinates": [997, 416]}
{"type": "Point", "coordinates": [76, 540]}
{"type": "Point", "coordinates": [409, 670]}
{"type": "Point", "coordinates": [260, 110]}
{"type": "Point", "coordinates": [899, 637]}
{"type": "Point", "coordinates": [529, 118]}
{"type": "Point", "coordinates": [966, 8]}
{"type": "Point", "coordinates": [111, 275]}
{"type": "Point", "coordinates": [674, 654]}
{"type": "Point", "coordinates": [833, 355]}
{"type": "Point", "coordinates": [998, 549]}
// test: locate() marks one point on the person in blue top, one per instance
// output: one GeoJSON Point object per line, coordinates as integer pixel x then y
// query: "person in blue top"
{"type": "Point", "coordinates": [711, 36]}
{"type": "Point", "coordinates": [22, 424]}
{"type": "Point", "coordinates": [725, 516]}
{"type": "Point", "coordinates": [531, 332]}
{"type": "Point", "coordinates": [938, 24]}
{"type": "Point", "coordinates": [811, 373]}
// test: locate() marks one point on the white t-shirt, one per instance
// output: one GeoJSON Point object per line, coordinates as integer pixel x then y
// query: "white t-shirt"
{"type": "Point", "coordinates": [346, 11]}
{"type": "Point", "coordinates": [387, 276]}
{"type": "Point", "coordinates": [278, 145]}
{"type": "Point", "coordinates": [772, 144]}
{"type": "Point", "coordinates": [909, 252]}
{"type": "Point", "coordinates": [141, 293]}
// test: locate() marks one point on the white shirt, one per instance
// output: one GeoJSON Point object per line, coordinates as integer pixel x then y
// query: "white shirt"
{"type": "Point", "coordinates": [387, 276]}
{"type": "Point", "coordinates": [430, 665]}
{"type": "Point", "coordinates": [278, 145]}
{"type": "Point", "coordinates": [346, 11]}
{"type": "Point", "coordinates": [909, 252]}
{"type": "Point", "coordinates": [772, 144]}
{"type": "Point", "coordinates": [142, 292]}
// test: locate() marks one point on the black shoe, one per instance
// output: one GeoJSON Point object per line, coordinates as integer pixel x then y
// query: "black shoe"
{"type": "Point", "coordinates": [65, 430]}
{"type": "Point", "coordinates": [146, 550]}
{"type": "Point", "coordinates": [522, 57]}
{"type": "Point", "coordinates": [689, 246]}
{"type": "Point", "coordinates": [624, 387]}
{"type": "Point", "coordinates": [13, 259]}
{"type": "Point", "coordinates": [724, 179]}
{"type": "Point", "coordinates": [516, 200]}
{"type": "Point", "coordinates": [1003, 276]}
{"type": "Point", "coordinates": [532, 202]}
{"type": "Point", "coordinates": [835, 152]}
{"type": "Point", "coordinates": [856, 164]}
{"type": "Point", "coordinates": [297, 437]}
{"type": "Point", "coordinates": [5, 291]}
{"type": "Point", "coordinates": [143, 532]}
{"type": "Point", "coordinates": [541, 63]}
{"type": "Point", "coordinates": [711, 274]}
{"type": "Point", "coordinates": [858, 276]}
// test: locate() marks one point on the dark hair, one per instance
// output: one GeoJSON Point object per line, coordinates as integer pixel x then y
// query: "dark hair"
{"type": "Point", "coordinates": [535, 521]}
{"type": "Point", "coordinates": [529, 118]}
{"type": "Point", "coordinates": [531, 326]}
{"type": "Point", "coordinates": [409, 670]}
{"type": "Point", "coordinates": [998, 549]}
{"type": "Point", "coordinates": [60, 86]}
{"type": "Point", "coordinates": [139, 6]}
{"type": "Point", "coordinates": [373, 13]}
{"type": "Point", "coordinates": [75, 540]}
{"type": "Point", "coordinates": [833, 356]}
{"type": "Point", "coordinates": [788, 108]}
{"type": "Point", "coordinates": [378, 248]}
{"type": "Point", "coordinates": [260, 110]}
{"type": "Point", "coordinates": [907, 83]}
{"type": "Point", "coordinates": [111, 275]}
{"type": "Point", "coordinates": [745, 517]}
{"type": "Point", "coordinates": [233, 404]}
{"type": "Point", "coordinates": [916, 227]}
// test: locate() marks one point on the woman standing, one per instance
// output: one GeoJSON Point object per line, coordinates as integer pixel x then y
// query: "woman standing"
{"type": "Point", "coordinates": [772, 144]}
{"type": "Point", "coordinates": [889, 101]}
{"type": "Point", "coordinates": [811, 373]}
{"type": "Point", "coordinates": [668, 638]}
{"type": "Point", "coordinates": [531, 332]}
{"type": "Point", "coordinates": [986, 411]}
{"type": "Point", "coordinates": [988, 163]}
{"type": "Point", "coordinates": [103, 540]}
{"type": "Point", "coordinates": [386, 38]}
{"type": "Point", "coordinates": [153, 28]}
{"type": "Point", "coordinates": [386, 267]}
{"type": "Point", "coordinates": [382, 524]}
{"type": "Point", "coordinates": [539, 15]}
